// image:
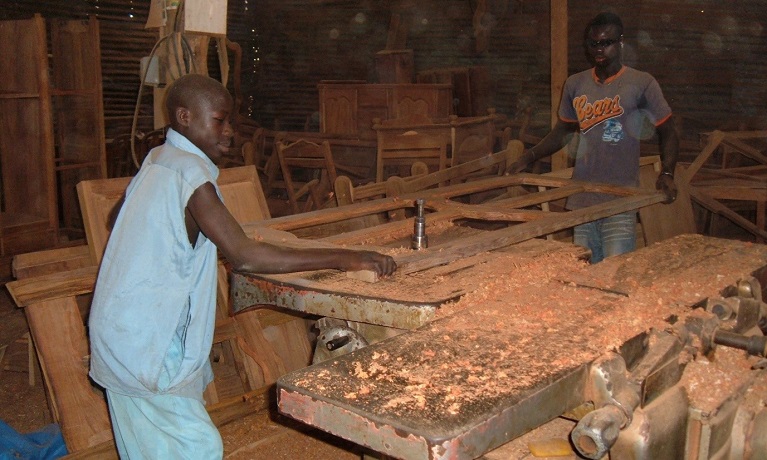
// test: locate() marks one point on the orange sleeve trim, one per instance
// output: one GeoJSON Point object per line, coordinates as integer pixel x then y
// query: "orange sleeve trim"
{"type": "Point", "coordinates": [660, 122]}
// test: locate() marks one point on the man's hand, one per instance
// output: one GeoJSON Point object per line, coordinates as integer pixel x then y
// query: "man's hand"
{"type": "Point", "coordinates": [518, 166]}
{"type": "Point", "coordinates": [666, 184]}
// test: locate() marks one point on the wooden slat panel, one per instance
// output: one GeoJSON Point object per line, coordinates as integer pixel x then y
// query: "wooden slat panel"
{"type": "Point", "coordinates": [661, 221]}
{"type": "Point", "coordinates": [81, 409]}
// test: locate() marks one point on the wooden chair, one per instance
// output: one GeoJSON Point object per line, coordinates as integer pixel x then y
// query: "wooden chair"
{"type": "Point", "coordinates": [404, 149]}
{"type": "Point", "coordinates": [308, 172]}
{"type": "Point", "coordinates": [472, 138]}
{"type": "Point", "coordinates": [119, 157]}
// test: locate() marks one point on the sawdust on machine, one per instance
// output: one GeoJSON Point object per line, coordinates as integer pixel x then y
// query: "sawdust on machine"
{"type": "Point", "coordinates": [515, 328]}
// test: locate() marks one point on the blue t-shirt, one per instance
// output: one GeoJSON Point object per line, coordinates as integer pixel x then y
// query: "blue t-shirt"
{"type": "Point", "coordinates": [614, 116]}
{"type": "Point", "coordinates": [153, 286]}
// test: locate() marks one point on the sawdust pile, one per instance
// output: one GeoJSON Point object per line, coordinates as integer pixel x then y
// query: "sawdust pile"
{"type": "Point", "coordinates": [710, 381]}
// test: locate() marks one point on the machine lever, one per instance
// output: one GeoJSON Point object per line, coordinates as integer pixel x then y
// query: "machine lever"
{"type": "Point", "coordinates": [755, 345]}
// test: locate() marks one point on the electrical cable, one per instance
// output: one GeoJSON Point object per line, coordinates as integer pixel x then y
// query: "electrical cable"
{"type": "Point", "coordinates": [187, 56]}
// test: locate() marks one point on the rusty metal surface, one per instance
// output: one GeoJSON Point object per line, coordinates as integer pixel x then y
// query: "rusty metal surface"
{"type": "Point", "coordinates": [483, 424]}
{"type": "Point", "coordinates": [405, 301]}
{"type": "Point", "coordinates": [520, 360]}
{"type": "Point", "coordinates": [249, 289]}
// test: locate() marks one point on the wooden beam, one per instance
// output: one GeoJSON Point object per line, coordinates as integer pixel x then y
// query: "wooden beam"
{"type": "Point", "coordinates": [558, 34]}
{"type": "Point", "coordinates": [54, 286]}
{"type": "Point", "coordinates": [464, 247]}
{"type": "Point", "coordinates": [59, 335]}
{"type": "Point", "coordinates": [718, 208]}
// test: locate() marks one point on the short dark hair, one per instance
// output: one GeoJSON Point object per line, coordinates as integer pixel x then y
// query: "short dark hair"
{"type": "Point", "coordinates": [605, 19]}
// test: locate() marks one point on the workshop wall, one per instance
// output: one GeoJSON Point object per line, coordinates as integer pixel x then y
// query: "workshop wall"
{"type": "Point", "coordinates": [708, 55]}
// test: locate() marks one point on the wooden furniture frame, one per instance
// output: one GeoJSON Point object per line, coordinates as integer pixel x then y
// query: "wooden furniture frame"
{"type": "Point", "coordinates": [346, 193]}
{"type": "Point", "coordinates": [717, 189]}
{"type": "Point", "coordinates": [465, 139]}
{"type": "Point", "coordinates": [307, 158]}
{"type": "Point", "coordinates": [51, 118]}
{"type": "Point", "coordinates": [403, 149]}
{"type": "Point", "coordinates": [349, 108]}
{"type": "Point", "coordinates": [29, 219]}
{"type": "Point", "coordinates": [79, 113]}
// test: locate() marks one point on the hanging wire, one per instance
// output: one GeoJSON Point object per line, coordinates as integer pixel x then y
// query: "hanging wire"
{"type": "Point", "coordinates": [178, 39]}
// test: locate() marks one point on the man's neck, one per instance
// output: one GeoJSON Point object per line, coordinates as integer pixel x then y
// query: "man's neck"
{"type": "Point", "coordinates": [604, 73]}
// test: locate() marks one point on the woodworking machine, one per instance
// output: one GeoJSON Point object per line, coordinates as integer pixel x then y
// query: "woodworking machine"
{"type": "Point", "coordinates": [637, 399]}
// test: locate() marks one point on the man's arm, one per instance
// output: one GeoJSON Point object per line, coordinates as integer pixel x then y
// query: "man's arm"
{"type": "Point", "coordinates": [245, 254]}
{"type": "Point", "coordinates": [669, 153]}
{"type": "Point", "coordinates": [553, 142]}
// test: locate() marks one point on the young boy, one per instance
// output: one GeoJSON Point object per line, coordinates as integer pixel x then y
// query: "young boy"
{"type": "Point", "coordinates": [153, 313]}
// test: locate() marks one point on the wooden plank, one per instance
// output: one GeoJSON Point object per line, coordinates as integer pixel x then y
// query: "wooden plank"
{"type": "Point", "coordinates": [49, 261]}
{"type": "Point", "coordinates": [81, 409]}
{"type": "Point", "coordinates": [714, 140]}
{"type": "Point", "coordinates": [661, 221]}
{"type": "Point", "coordinates": [440, 255]}
{"type": "Point", "coordinates": [26, 292]}
{"type": "Point", "coordinates": [559, 51]}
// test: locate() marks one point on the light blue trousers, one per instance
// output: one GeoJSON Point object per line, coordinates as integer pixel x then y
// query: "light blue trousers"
{"type": "Point", "coordinates": [164, 426]}
{"type": "Point", "coordinates": [608, 237]}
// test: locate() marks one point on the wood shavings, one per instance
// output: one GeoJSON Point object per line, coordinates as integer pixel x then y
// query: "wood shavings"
{"type": "Point", "coordinates": [519, 327]}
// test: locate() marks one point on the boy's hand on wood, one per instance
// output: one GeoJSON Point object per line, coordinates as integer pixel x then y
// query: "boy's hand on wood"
{"type": "Point", "coordinates": [381, 264]}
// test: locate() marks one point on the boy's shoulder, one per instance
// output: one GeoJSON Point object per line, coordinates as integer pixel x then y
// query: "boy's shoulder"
{"type": "Point", "coordinates": [193, 168]}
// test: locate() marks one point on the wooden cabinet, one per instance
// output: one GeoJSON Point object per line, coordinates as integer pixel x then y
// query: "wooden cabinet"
{"type": "Point", "coordinates": [471, 87]}
{"type": "Point", "coordinates": [51, 123]}
{"type": "Point", "coordinates": [395, 66]}
{"type": "Point", "coordinates": [28, 220]}
{"type": "Point", "coordinates": [76, 93]}
{"type": "Point", "coordinates": [349, 108]}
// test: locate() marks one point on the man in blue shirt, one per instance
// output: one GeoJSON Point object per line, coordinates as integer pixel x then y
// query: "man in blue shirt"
{"type": "Point", "coordinates": [609, 105]}
{"type": "Point", "coordinates": [153, 312]}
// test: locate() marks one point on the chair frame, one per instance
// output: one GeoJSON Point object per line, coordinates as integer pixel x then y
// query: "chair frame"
{"type": "Point", "coordinates": [303, 154]}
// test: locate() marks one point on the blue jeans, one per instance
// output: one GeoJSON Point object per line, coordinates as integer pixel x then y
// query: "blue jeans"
{"type": "Point", "coordinates": [608, 237]}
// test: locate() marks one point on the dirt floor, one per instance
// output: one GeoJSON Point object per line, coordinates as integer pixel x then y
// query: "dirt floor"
{"type": "Point", "coordinates": [260, 436]}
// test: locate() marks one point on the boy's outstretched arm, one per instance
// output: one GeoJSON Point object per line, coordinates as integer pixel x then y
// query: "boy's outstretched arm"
{"type": "Point", "coordinates": [210, 217]}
